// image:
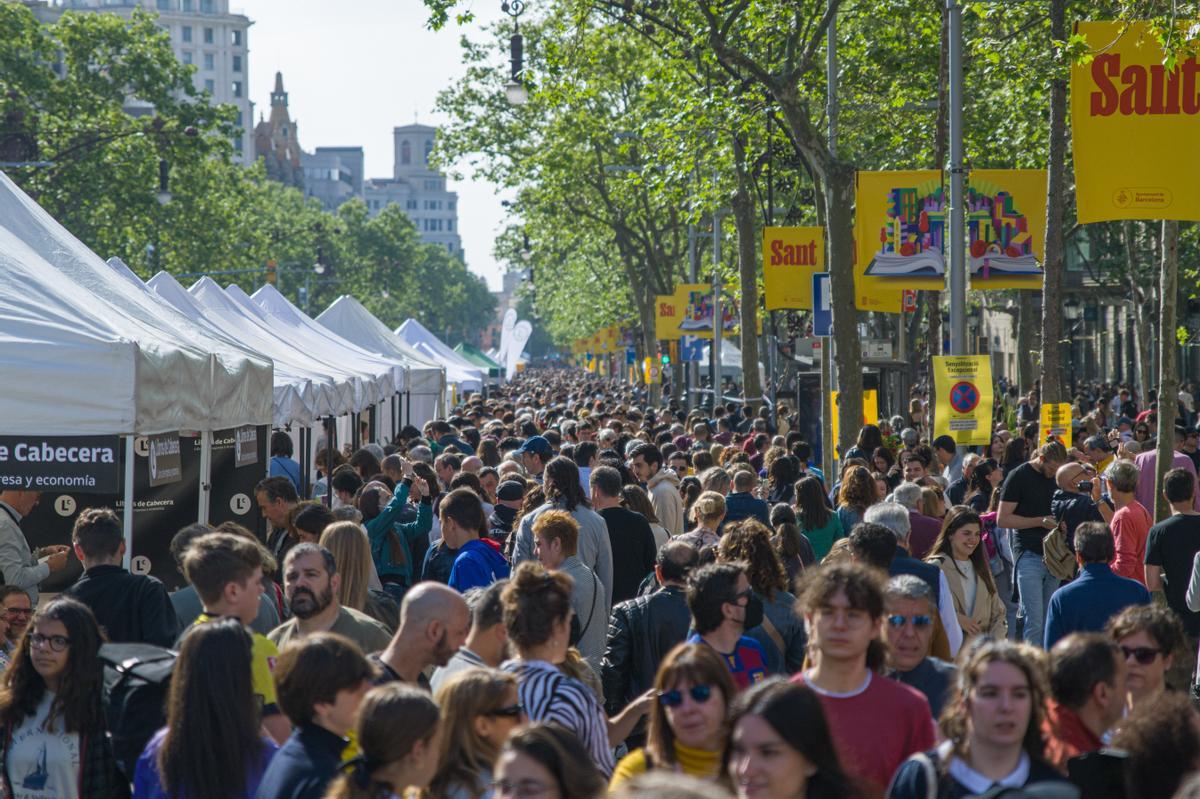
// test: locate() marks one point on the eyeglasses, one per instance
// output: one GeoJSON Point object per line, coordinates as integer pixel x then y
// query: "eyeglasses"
{"type": "Point", "coordinates": [700, 694]}
{"type": "Point", "coordinates": [896, 621]}
{"type": "Point", "coordinates": [522, 789]}
{"type": "Point", "coordinates": [18, 612]}
{"type": "Point", "coordinates": [512, 711]}
{"type": "Point", "coordinates": [1144, 655]}
{"type": "Point", "coordinates": [58, 643]}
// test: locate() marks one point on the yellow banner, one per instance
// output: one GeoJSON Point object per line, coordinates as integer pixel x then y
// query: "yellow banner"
{"type": "Point", "coordinates": [1133, 127]}
{"type": "Point", "coordinates": [1006, 223]}
{"type": "Point", "coordinates": [688, 312]}
{"type": "Point", "coordinates": [790, 257]}
{"type": "Point", "coordinates": [1056, 422]}
{"type": "Point", "coordinates": [900, 233]}
{"type": "Point", "coordinates": [870, 412]}
{"type": "Point", "coordinates": [963, 398]}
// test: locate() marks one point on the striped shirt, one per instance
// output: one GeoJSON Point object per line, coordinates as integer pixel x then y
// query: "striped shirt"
{"type": "Point", "coordinates": [550, 695]}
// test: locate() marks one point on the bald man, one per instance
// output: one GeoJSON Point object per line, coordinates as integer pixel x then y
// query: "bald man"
{"type": "Point", "coordinates": [434, 623]}
{"type": "Point", "coordinates": [472, 464]}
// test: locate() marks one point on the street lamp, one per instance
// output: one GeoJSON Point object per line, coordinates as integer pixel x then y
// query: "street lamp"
{"type": "Point", "coordinates": [164, 174]}
{"type": "Point", "coordinates": [515, 90]}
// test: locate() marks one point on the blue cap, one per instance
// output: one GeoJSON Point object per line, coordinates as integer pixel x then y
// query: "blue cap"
{"type": "Point", "coordinates": [537, 445]}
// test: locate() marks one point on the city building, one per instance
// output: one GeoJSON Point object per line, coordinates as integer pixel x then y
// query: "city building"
{"type": "Point", "coordinates": [333, 174]}
{"type": "Point", "coordinates": [277, 140]}
{"type": "Point", "coordinates": [204, 33]}
{"type": "Point", "coordinates": [418, 189]}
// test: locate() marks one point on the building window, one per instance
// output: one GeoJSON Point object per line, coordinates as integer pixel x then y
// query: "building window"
{"type": "Point", "coordinates": [239, 119]}
{"type": "Point", "coordinates": [237, 143]}
{"type": "Point", "coordinates": [405, 152]}
{"type": "Point", "coordinates": [433, 185]}
{"type": "Point", "coordinates": [237, 63]}
{"type": "Point", "coordinates": [450, 205]}
{"type": "Point", "coordinates": [207, 7]}
{"type": "Point", "coordinates": [209, 86]}
{"type": "Point", "coordinates": [450, 225]}
{"type": "Point", "coordinates": [411, 205]}
{"type": "Point", "coordinates": [237, 89]}
{"type": "Point", "coordinates": [236, 38]}
{"type": "Point", "coordinates": [187, 56]}
{"type": "Point", "coordinates": [189, 5]}
{"type": "Point", "coordinates": [163, 5]}
{"type": "Point", "coordinates": [187, 33]}
{"type": "Point", "coordinates": [428, 149]}
{"type": "Point", "coordinates": [208, 35]}
{"type": "Point", "coordinates": [208, 61]}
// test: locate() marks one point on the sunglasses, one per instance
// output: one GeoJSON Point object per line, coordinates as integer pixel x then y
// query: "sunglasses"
{"type": "Point", "coordinates": [700, 694]}
{"type": "Point", "coordinates": [1144, 655]}
{"type": "Point", "coordinates": [511, 711]}
{"type": "Point", "coordinates": [920, 620]}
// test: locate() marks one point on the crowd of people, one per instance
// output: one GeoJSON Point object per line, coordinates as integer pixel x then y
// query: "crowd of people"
{"type": "Point", "coordinates": [558, 592]}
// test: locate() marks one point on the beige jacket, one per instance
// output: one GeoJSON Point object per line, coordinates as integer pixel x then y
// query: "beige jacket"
{"type": "Point", "coordinates": [989, 607]}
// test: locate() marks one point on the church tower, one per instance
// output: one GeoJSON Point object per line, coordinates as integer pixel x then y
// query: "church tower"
{"type": "Point", "coordinates": [277, 142]}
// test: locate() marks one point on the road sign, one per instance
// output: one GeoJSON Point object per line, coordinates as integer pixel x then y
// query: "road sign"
{"type": "Point", "coordinates": [691, 349]}
{"type": "Point", "coordinates": [1055, 421]}
{"type": "Point", "coordinates": [822, 305]}
{"type": "Point", "coordinates": [630, 356]}
{"type": "Point", "coordinates": [908, 301]}
{"type": "Point", "coordinates": [964, 396]}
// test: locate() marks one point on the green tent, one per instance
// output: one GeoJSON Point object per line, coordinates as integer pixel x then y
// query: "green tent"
{"type": "Point", "coordinates": [477, 357]}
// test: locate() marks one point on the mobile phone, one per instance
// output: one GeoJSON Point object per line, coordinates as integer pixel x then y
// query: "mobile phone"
{"type": "Point", "coordinates": [1085, 486]}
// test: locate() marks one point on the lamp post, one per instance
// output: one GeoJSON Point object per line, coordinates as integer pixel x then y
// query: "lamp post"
{"type": "Point", "coordinates": [515, 90]}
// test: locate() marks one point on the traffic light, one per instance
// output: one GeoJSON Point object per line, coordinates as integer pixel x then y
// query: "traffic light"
{"type": "Point", "coordinates": [666, 359]}
{"type": "Point", "coordinates": [271, 272]}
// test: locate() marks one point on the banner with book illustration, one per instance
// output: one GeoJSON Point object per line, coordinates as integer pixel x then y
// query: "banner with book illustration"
{"type": "Point", "coordinates": [1006, 222]}
{"type": "Point", "coordinates": [689, 312]}
{"type": "Point", "coordinates": [900, 235]}
{"type": "Point", "coordinates": [1133, 126]}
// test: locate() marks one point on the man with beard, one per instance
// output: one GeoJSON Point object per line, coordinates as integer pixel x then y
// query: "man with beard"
{"type": "Point", "coordinates": [434, 623]}
{"type": "Point", "coordinates": [312, 585]}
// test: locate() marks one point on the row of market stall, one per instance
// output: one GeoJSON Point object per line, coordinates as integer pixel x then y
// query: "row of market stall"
{"type": "Point", "coordinates": [181, 386]}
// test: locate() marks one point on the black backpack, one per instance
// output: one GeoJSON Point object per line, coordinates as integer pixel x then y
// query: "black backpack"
{"type": "Point", "coordinates": [136, 680]}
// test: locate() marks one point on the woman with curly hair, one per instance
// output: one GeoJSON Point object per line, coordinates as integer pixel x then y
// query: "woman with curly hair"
{"type": "Point", "coordinates": [781, 633]}
{"type": "Point", "coordinates": [856, 494]}
{"type": "Point", "coordinates": [992, 733]}
{"type": "Point", "coordinates": [54, 736]}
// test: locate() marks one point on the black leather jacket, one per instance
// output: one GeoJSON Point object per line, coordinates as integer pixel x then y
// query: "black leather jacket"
{"type": "Point", "coordinates": [640, 633]}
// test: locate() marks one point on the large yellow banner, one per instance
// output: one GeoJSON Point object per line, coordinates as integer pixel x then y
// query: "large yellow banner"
{"type": "Point", "coordinates": [790, 257]}
{"type": "Point", "coordinates": [689, 312]}
{"type": "Point", "coordinates": [962, 406]}
{"type": "Point", "coordinates": [900, 236]}
{"type": "Point", "coordinates": [870, 412]}
{"type": "Point", "coordinates": [1006, 225]}
{"type": "Point", "coordinates": [1134, 128]}
{"type": "Point", "coordinates": [669, 311]}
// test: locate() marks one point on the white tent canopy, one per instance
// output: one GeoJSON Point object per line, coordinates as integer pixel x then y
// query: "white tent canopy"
{"type": "Point", "coordinates": [731, 359]}
{"type": "Point", "coordinates": [92, 354]}
{"type": "Point", "coordinates": [459, 371]}
{"type": "Point", "coordinates": [348, 318]}
{"type": "Point", "coordinates": [391, 373]}
{"type": "Point", "coordinates": [293, 391]}
{"type": "Point", "coordinates": [333, 389]}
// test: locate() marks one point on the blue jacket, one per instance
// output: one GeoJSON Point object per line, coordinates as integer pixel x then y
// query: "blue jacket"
{"type": "Point", "coordinates": [1087, 603]}
{"type": "Point", "coordinates": [743, 505]}
{"type": "Point", "coordinates": [304, 766]}
{"type": "Point", "coordinates": [478, 565]}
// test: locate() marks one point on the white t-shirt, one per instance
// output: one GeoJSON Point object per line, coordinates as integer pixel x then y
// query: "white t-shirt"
{"type": "Point", "coordinates": [970, 584]}
{"type": "Point", "coordinates": [41, 763]}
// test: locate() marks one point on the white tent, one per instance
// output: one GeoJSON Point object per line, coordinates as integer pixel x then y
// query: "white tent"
{"type": "Point", "coordinates": [109, 359]}
{"type": "Point", "coordinates": [392, 372]}
{"type": "Point", "coordinates": [333, 389]}
{"type": "Point", "coordinates": [459, 371]}
{"type": "Point", "coordinates": [426, 385]}
{"type": "Point", "coordinates": [294, 391]}
{"type": "Point", "coordinates": [731, 359]}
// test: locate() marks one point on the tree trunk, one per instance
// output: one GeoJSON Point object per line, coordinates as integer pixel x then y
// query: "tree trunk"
{"type": "Point", "coordinates": [1026, 343]}
{"type": "Point", "coordinates": [748, 248]}
{"type": "Point", "coordinates": [839, 194]}
{"type": "Point", "coordinates": [1168, 374]}
{"type": "Point", "coordinates": [1141, 325]}
{"type": "Point", "coordinates": [1056, 200]}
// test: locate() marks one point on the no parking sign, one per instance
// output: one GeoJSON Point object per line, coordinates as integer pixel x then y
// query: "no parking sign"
{"type": "Point", "coordinates": [963, 398]}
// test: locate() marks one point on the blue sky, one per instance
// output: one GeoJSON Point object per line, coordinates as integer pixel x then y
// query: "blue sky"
{"type": "Point", "coordinates": [353, 70]}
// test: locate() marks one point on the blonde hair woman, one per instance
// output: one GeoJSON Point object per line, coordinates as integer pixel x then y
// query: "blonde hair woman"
{"type": "Point", "coordinates": [480, 707]}
{"type": "Point", "coordinates": [708, 512]}
{"type": "Point", "coordinates": [352, 554]}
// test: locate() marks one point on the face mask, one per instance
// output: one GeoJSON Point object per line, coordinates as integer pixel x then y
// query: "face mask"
{"type": "Point", "coordinates": [754, 613]}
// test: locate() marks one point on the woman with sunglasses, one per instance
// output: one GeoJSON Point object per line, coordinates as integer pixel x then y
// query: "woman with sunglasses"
{"type": "Point", "coordinates": [992, 731]}
{"type": "Point", "coordinates": [1141, 432]}
{"type": "Point", "coordinates": [1151, 637]}
{"type": "Point", "coordinates": [781, 747]}
{"type": "Point", "coordinates": [687, 722]}
{"type": "Point", "coordinates": [480, 708]}
{"type": "Point", "coordinates": [54, 737]}
{"type": "Point", "coordinates": [959, 553]}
